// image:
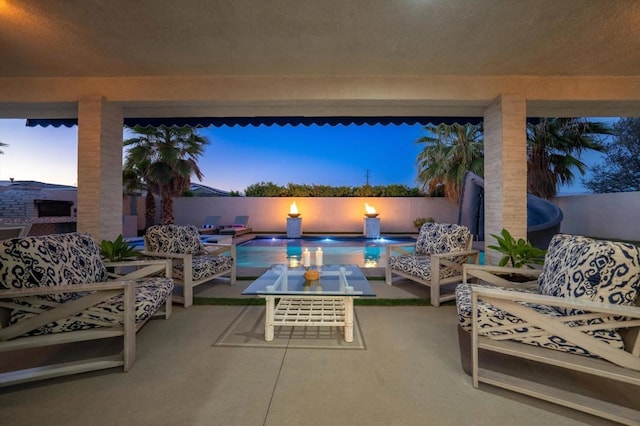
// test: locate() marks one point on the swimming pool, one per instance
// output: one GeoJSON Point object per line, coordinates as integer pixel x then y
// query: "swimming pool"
{"type": "Point", "coordinates": [365, 252]}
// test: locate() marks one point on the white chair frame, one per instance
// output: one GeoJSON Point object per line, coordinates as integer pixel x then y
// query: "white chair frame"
{"type": "Point", "coordinates": [188, 283]}
{"type": "Point", "coordinates": [614, 364]}
{"type": "Point", "coordinates": [437, 260]}
{"type": "Point", "coordinates": [94, 293]}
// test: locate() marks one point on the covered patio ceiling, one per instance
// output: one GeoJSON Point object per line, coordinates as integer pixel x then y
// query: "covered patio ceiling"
{"type": "Point", "coordinates": [118, 38]}
{"type": "Point", "coordinates": [208, 58]}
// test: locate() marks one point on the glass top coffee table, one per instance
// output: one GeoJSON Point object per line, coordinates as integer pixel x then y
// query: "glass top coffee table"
{"type": "Point", "coordinates": [326, 302]}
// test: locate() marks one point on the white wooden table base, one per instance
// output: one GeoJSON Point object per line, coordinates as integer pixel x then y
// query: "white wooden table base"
{"type": "Point", "coordinates": [319, 311]}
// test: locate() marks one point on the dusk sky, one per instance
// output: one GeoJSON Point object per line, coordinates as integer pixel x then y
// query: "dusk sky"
{"type": "Point", "coordinates": [240, 156]}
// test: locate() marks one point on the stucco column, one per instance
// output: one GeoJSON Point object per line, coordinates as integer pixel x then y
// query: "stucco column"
{"type": "Point", "coordinates": [505, 170]}
{"type": "Point", "coordinates": [100, 125]}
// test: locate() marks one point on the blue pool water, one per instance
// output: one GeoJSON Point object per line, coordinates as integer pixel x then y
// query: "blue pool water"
{"type": "Point", "coordinates": [262, 252]}
{"type": "Point", "coordinates": [266, 251]}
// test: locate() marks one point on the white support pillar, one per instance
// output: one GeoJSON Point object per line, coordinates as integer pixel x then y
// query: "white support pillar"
{"type": "Point", "coordinates": [100, 125]}
{"type": "Point", "coordinates": [505, 170]}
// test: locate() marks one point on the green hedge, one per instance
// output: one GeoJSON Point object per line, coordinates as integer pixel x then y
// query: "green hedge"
{"type": "Point", "coordinates": [270, 189]}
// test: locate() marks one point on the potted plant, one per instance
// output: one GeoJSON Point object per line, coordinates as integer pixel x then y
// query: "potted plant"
{"type": "Point", "coordinates": [517, 253]}
{"type": "Point", "coordinates": [117, 250]}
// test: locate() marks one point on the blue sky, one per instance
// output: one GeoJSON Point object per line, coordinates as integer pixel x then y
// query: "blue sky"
{"type": "Point", "coordinates": [240, 156]}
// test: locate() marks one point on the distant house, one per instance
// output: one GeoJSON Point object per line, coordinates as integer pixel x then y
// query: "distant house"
{"type": "Point", "coordinates": [50, 208]}
{"type": "Point", "coordinates": [200, 190]}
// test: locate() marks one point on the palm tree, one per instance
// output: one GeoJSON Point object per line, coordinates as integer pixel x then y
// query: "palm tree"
{"type": "Point", "coordinates": [133, 182]}
{"type": "Point", "coordinates": [449, 151]}
{"type": "Point", "coordinates": [3, 145]}
{"type": "Point", "coordinates": [165, 158]}
{"type": "Point", "coordinates": [554, 146]}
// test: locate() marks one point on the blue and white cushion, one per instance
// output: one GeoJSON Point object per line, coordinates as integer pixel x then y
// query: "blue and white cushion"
{"type": "Point", "coordinates": [68, 259]}
{"type": "Point", "coordinates": [595, 270]}
{"type": "Point", "coordinates": [183, 239]}
{"type": "Point", "coordinates": [491, 316]}
{"type": "Point", "coordinates": [150, 295]}
{"type": "Point", "coordinates": [442, 238]}
{"type": "Point", "coordinates": [204, 266]}
{"type": "Point", "coordinates": [433, 238]}
{"type": "Point", "coordinates": [50, 260]}
{"type": "Point", "coordinates": [574, 267]}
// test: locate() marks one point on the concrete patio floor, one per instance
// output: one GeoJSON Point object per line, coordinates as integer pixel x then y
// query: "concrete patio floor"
{"type": "Point", "coordinates": [409, 374]}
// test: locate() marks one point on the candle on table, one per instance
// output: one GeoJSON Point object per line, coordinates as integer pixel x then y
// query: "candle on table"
{"type": "Point", "coordinates": [306, 258]}
{"type": "Point", "coordinates": [319, 257]}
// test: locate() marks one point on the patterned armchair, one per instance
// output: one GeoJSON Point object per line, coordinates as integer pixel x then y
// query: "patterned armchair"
{"type": "Point", "coordinates": [582, 316]}
{"type": "Point", "coordinates": [55, 289]}
{"type": "Point", "coordinates": [194, 263]}
{"type": "Point", "coordinates": [439, 253]}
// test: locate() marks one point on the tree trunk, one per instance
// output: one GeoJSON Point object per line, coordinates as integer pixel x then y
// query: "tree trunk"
{"type": "Point", "coordinates": [167, 210]}
{"type": "Point", "coordinates": [149, 210]}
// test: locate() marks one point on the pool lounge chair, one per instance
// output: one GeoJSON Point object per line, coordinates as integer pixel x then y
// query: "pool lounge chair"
{"type": "Point", "coordinates": [239, 227]}
{"type": "Point", "coordinates": [210, 225]}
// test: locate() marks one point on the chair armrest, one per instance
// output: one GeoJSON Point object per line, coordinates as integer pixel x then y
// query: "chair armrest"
{"type": "Point", "coordinates": [217, 249]}
{"type": "Point", "coordinates": [141, 268]}
{"type": "Point", "coordinates": [450, 260]}
{"type": "Point", "coordinates": [497, 275]}
{"type": "Point", "coordinates": [475, 253]}
{"type": "Point", "coordinates": [165, 255]}
{"type": "Point", "coordinates": [135, 263]}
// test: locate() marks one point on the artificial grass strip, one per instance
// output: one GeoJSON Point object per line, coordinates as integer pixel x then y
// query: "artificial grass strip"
{"type": "Point", "coordinates": [227, 301]}
{"type": "Point", "coordinates": [259, 301]}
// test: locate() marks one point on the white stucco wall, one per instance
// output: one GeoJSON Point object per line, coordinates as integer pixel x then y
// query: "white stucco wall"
{"type": "Point", "coordinates": [610, 216]}
{"type": "Point", "coordinates": [319, 214]}
{"type": "Point", "coordinates": [613, 216]}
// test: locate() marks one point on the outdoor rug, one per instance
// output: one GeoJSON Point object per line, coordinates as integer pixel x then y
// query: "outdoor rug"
{"type": "Point", "coordinates": [247, 330]}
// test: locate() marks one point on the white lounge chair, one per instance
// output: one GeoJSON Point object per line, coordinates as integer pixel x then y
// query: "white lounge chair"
{"type": "Point", "coordinates": [210, 225]}
{"type": "Point", "coordinates": [239, 226]}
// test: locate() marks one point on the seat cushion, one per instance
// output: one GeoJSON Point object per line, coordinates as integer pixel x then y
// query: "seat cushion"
{"type": "Point", "coordinates": [205, 266]}
{"type": "Point", "coordinates": [150, 294]}
{"type": "Point", "coordinates": [50, 260]}
{"type": "Point", "coordinates": [184, 239]}
{"type": "Point", "coordinates": [491, 316]}
{"type": "Point", "coordinates": [595, 270]}
{"type": "Point", "coordinates": [417, 266]}
{"type": "Point", "coordinates": [442, 238]}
